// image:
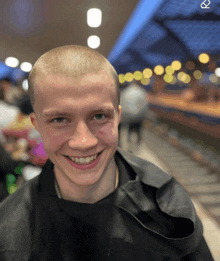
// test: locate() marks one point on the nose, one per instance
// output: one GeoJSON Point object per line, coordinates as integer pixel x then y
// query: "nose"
{"type": "Point", "coordinates": [82, 138]}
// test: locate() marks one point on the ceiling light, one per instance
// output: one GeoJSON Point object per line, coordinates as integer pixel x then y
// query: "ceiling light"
{"type": "Point", "coordinates": [94, 17]}
{"type": "Point", "coordinates": [12, 62]}
{"type": "Point", "coordinates": [93, 41]}
{"type": "Point", "coordinates": [159, 70]}
{"type": "Point", "coordinates": [176, 65]}
{"type": "Point", "coordinates": [181, 76]}
{"type": "Point", "coordinates": [137, 75]}
{"type": "Point", "coordinates": [169, 70]}
{"type": "Point", "coordinates": [147, 73]}
{"type": "Point", "coordinates": [121, 78]}
{"type": "Point", "coordinates": [129, 77]}
{"type": "Point", "coordinates": [217, 72]}
{"type": "Point", "coordinates": [26, 67]}
{"type": "Point", "coordinates": [174, 80]}
{"type": "Point", "coordinates": [145, 81]}
{"type": "Point", "coordinates": [25, 85]}
{"type": "Point", "coordinates": [168, 78]}
{"type": "Point", "coordinates": [204, 58]}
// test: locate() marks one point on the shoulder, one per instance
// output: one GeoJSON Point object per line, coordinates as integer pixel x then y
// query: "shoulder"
{"type": "Point", "coordinates": [160, 204]}
{"type": "Point", "coordinates": [15, 217]}
{"type": "Point", "coordinates": [171, 196]}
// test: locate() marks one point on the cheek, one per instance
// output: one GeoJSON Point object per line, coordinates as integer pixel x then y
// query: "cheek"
{"type": "Point", "coordinates": [52, 140]}
{"type": "Point", "coordinates": [108, 134]}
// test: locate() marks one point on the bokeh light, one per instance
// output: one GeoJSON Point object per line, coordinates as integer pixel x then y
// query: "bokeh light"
{"type": "Point", "coordinates": [25, 85]}
{"type": "Point", "coordinates": [159, 70]}
{"type": "Point", "coordinates": [169, 70]}
{"type": "Point", "coordinates": [145, 81]}
{"type": "Point", "coordinates": [197, 74]}
{"type": "Point", "coordinates": [217, 72]}
{"type": "Point", "coordinates": [187, 78]}
{"type": "Point", "coordinates": [137, 75]}
{"type": "Point", "coordinates": [176, 65]}
{"type": "Point", "coordinates": [12, 62]}
{"type": "Point", "coordinates": [213, 78]}
{"type": "Point", "coordinates": [121, 78]}
{"type": "Point", "coordinates": [204, 58]}
{"type": "Point", "coordinates": [168, 78]}
{"type": "Point", "coordinates": [94, 17]}
{"type": "Point", "coordinates": [174, 80]}
{"type": "Point", "coordinates": [26, 67]}
{"type": "Point", "coordinates": [93, 41]}
{"type": "Point", "coordinates": [147, 73]}
{"type": "Point", "coordinates": [129, 77]}
{"type": "Point", "coordinates": [181, 76]}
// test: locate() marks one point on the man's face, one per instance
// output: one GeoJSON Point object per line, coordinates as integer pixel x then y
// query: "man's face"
{"type": "Point", "coordinates": [78, 121]}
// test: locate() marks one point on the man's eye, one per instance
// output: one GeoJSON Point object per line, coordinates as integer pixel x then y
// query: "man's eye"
{"type": "Point", "coordinates": [99, 117]}
{"type": "Point", "coordinates": [58, 120]}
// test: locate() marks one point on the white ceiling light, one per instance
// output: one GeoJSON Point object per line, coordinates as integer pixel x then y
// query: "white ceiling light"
{"type": "Point", "coordinates": [94, 17]}
{"type": "Point", "coordinates": [25, 85]}
{"type": "Point", "coordinates": [26, 67]}
{"type": "Point", "coordinates": [217, 72]}
{"type": "Point", "coordinates": [93, 41]}
{"type": "Point", "coordinates": [12, 62]}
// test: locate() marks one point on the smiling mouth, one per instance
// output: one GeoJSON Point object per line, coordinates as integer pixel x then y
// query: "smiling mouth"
{"type": "Point", "coordinates": [84, 161]}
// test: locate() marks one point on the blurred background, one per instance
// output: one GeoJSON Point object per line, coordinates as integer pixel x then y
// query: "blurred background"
{"type": "Point", "coordinates": [167, 56]}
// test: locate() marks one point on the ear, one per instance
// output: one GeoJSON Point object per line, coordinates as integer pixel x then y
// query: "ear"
{"type": "Point", "coordinates": [33, 119]}
{"type": "Point", "coordinates": [119, 113]}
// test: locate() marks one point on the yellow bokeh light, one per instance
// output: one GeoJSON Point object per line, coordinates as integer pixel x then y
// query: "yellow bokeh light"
{"type": "Point", "coordinates": [145, 81]}
{"type": "Point", "coordinates": [181, 76]}
{"type": "Point", "coordinates": [197, 74]}
{"type": "Point", "coordinates": [187, 78]}
{"type": "Point", "coordinates": [176, 65]}
{"type": "Point", "coordinates": [204, 58]}
{"type": "Point", "coordinates": [168, 78]}
{"type": "Point", "coordinates": [121, 78]}
{"type": "Point", "coordinates": [169, 70]}
{"type": "Point", "coordinates": [174, 80]}
{"type": "Point", "coordinates": [137, 75]}
{"type": "Point", "coordinates": [129, 77]}
{"type": "Point", "coordinates": [147, 73]}
{"type": "Point", "coordinates": [159, 70]}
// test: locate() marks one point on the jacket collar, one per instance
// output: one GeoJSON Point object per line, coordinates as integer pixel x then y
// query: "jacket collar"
{"type": "Point", "coordinates": [146, 171]}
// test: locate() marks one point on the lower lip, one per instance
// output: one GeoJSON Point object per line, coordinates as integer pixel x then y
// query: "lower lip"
{"type": "Point", "coordinates": [85, 166]}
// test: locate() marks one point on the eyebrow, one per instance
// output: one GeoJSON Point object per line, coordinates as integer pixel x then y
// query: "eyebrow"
{"type": "Point", "coordinates": [51, 113]}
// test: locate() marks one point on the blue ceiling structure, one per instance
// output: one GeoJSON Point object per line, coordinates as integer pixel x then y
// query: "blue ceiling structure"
{"type": "Point", "coordinates": [13, 74]}
{"type": "Point", "coordinates": [161, 31]}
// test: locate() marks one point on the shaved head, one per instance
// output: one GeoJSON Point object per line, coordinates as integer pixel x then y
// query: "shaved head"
{"type": "Point", "coordinates": [71, 61]}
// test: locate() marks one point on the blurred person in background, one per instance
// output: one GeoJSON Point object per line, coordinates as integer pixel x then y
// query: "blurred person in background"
{"type": "Point", "coordinates": [13, 103]}
{"type": "Point", "coordinates": [135, 109]}
{"type": "Point", "coordinates": [8, 111]}
{"type": "Point", "coordinates": [93, 200]}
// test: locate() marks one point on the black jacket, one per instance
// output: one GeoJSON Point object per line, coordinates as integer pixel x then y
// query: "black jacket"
{"type": "Point", "coordinates": [149, 217]}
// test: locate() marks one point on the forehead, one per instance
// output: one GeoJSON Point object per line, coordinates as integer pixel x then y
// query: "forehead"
{"type": "Point", "coordinates": [90, 89]}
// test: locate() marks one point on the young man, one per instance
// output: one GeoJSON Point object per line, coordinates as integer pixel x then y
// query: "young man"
{"type": "Point", "coordinates": [92, 200]}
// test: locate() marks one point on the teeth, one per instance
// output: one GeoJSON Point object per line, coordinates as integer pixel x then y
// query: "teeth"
{"type": "Point", "coordinates": [87, 159]}
{"type": "Point", "coordinates": [84, 160]}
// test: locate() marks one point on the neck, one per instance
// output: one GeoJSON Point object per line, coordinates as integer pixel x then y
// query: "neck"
{"type": "Point", "coordinates": [68, 190]}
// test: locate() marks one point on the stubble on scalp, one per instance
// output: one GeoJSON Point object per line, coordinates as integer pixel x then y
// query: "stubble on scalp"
{"type": "Point", "coordinates": [72, 61]}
